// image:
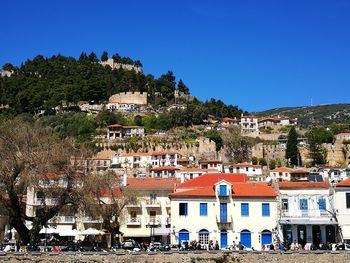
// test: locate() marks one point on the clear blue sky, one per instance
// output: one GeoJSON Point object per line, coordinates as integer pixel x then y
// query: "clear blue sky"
{"type": "Point", "coordinates": [255, 54]}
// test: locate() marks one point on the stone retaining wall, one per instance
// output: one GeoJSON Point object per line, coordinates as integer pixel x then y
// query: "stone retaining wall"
{"type": "Point", "coordinates": [200, 257]}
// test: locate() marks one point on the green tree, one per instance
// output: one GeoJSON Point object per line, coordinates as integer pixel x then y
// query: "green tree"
{"type": "Point", "coordinates": [316, 152]}
{"type": "Point", "coordinates": [215, 136]}
{"type": "Point", "coordinates": [262, 162]}
{"type": "Point", "coordinates": [272, 164]}
{"type": "Point", "coordinates": [104, 56]}
{"type": "Point", "coordinates": [292, 153]}
{"type": "Point", "coordinates": [254, 160]}
{"type": "Point", "coordinates": [93, 57]}
{"type": "Point", "coordinates": [182, 87]}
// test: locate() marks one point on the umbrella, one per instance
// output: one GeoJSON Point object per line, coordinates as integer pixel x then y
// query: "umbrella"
{"type": "Point", "coordinates": [69, 233]}
{"type": "Point", "coordinates": [91, 231]}
{"type": "Point", "coordinates": [48, 230]}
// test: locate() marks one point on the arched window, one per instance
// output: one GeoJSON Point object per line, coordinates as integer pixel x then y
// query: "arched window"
{"type": "Point", "coordinates": [266, 237]}
{"type": "Point", "coordinates": [184, 235]}
{"type": "Point", "coordinates": [246, 239]}
{"type": "Point", "coordinates": [203, 236]}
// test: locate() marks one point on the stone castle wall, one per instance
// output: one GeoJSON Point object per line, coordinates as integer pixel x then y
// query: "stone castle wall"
{"type": "Point", "coordinates": [130, 97]}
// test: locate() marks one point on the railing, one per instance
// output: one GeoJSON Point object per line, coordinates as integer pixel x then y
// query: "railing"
{"type": "Point", "coordinates": [62, 219]}
{"type": "Point", "coordinates": [305, 213]}
{"type": "Point", "coordinates": [224, 219]}
{"type": "Point", "coordinates": [133, 221]}
{"type": "Point", "coordinates": [153, 220]}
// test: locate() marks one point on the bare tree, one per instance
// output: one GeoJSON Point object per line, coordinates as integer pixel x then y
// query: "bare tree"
{"type": "Point", "coordinates": [236, 147]}
{"type": "Point", "coordinates": [34, 158]}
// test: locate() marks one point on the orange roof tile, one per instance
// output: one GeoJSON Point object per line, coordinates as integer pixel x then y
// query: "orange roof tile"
{"type": "Point", "coordinates": [239, 189]}
{"type": "Point", "coordinates": [344, 183]}
{"type": "Point", "coordinates": [152, 183]}
{"type": "Point", "coordinates": [183, 159]}
{"type": "Point", "coordinates": [268, 119]}
{"type": "Point", "coordinates": [115, 126]}
{"type": "Point", "coordinates": [226, 119]}
{"type": "Point", "coordinates": [281, 169]}
{"type": "Point", "coordinates": [210, 179]}
{"type": "Point", "coordinates": [164, 168]}
{"type": "Point", "coordinates": [283, 185]}
{"type": "Point", "coordinates": [299, 171]}
{"type": "Point", "coordinates": [115, 192]}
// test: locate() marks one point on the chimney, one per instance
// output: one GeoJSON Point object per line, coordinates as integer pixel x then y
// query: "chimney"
{"type": "Point", "coordinates": [125, 180]}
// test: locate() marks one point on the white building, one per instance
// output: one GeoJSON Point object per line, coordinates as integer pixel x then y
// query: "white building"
{"type": "Point", "coordinates": [148, 219]}
{"type": "Point", "coordinates": [164, 158]}
{"type": "Point", "coordinates": [253, 171]}
{"type": "Point", "coordinates": [342, 207]}
{"type": "Point", "coordinates": [225, 208]}
{"type": "Point", "coordinates": [191, 173]}
{"type": "Point", "coordinates": [117, 131]}
{"type": "Point", "coordinates": [211, 164]}
{"type": "Point", "coordinates": [249, 124]}
{"type": "Point", "coordinates": [305, 216]}
{"type": "Point", "coordinates": [134, 160]}
{"type": "Point", "coordinates": [164, 172]}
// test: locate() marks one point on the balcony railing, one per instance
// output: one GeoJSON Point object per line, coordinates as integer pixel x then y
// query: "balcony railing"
{"type": "Point", "coordinates": [152, 203]}
{"type": "Point", "coordinates": [62, 219]}
{"type": "Point", "coordinates": [223, 219]}
{"type": "Point", "coordinates": [133, 221]}
{"type": "Point", "coordinates": [311, 213]}
{"type": "Point", "coordinates": [153, 220]}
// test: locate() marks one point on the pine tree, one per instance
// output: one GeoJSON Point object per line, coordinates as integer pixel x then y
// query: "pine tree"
{"type": "Point", "coordinates": [292, 147]}
{"type": "Point", "coordinates": [182, 87]}
{"type": "Point", "coordinates": [104, 56]}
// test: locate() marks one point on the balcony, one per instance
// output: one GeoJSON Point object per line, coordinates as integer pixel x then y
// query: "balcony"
{"type": "Point", "coordinates": [62, 220]}
{"type": "Point", "coordinates": [153, 221]}
{"type": "Point", "coordinates": [91, 220]}
{"type": "Point", "coordinates": [133, 221]}
{"type": "Point", "coordinates": [152, 204]}
{"type": "Point", "coordinates": [224, 220]}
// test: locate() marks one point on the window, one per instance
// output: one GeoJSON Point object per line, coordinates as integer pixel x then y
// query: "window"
{"type": "Point", "coordinates": [204, 236]}
{"type": "Point", "coordinates": [223, 190]}
{"type": "Point", "coordinates": [303, 204]}
{"type": "Point", "coordinates": [244, 209]}
{"type": "Point", "coordinates": [285, 204]}
{"type": "Point", "coordinates": [183, 209]}
{"type": "Point", "coordinates": [322, 203]}
{"type": "Point", "coordinates": [265, 209]}
{"type": "Point", "coordinates": [347, 200]}
{"type": "Point", "coordinates": [203, 209]}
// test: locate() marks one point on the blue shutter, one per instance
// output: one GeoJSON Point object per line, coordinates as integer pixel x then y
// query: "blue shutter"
{"type": "Point", "coordinates": [246, 239]}
{"type": "Point", "coordinates": [223, 190]}
{"type": "Point", "coordinates": [244, 209]}
{"type": "Point", "coordinates": [203, 209]}
{"type": "Point", "coordinates": [223, 239]}
{"type": "Point", "coordinates": [185, 208]}
{"type": "Point", "coordinates": [266, 237]}
{"type": "Point", "coordinates": [322, 204]}
{"type": "Point", "coordinates": [223, 212]}
{"type": "Point", "coordinates": [303, 204]}
{"type": "Point", "coordinates": [265, 209]}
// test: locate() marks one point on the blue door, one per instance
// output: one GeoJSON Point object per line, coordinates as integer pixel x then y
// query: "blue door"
{"type": "Point", "coordinates": [246, 239]}
{"type": "Point", "coordinates": [183, 236]}
{"type": "Point", "coordinates": [223, 190]}
{"type": "Point", "coordinates": [223, 239]}
{"type": "Point", "coordinates": [223, 212]}
{"type": "Point", "coordinates": [266, 238]}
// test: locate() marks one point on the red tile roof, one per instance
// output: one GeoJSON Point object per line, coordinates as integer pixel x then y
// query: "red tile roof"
{"type": "Point", "coordinates": [299, 171]}
{"type": "Point", "coordinates": [345, 183]}
{"type": "Point", "coordinates": [212, 178]}
{"type": "Point", "coordinates": [239, 189]}
{"type": "Point", "coordinates": [152, 183]}
{"type": "Point", "coordinates": [226, 119]}
{"type": "Point", "coordinates": [164, 168]}
{"type": "Point", "coordinates": [281, 169]}
{"type": "Point", "coordinates": [183, 159]}
{"type": "Point", "coordinates": [210, 161]}
{"type": "Point", "coordinates": [284, 185]}
{"type": "Point", "coordinates": [268, 119]}
{"type": "Point", "coordinates": [115, 192]}
{"type": "Point", "coordinates": [115, 126]}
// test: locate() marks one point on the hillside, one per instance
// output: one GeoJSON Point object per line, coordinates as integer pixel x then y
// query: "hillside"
{"type": "Point", "coordinates": [320, 114]}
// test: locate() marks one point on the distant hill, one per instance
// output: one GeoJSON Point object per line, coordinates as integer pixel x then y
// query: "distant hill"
{"type": "Point", "coordinates": [320, 114]}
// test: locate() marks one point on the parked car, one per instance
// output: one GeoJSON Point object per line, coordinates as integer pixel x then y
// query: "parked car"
{"type": "Point", "coordinates": [130, 244]}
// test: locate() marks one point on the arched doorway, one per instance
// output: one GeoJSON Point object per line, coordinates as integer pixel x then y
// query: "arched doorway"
{"type": "Point", "coordinates": [203, 237]}
{"type": "Point", "coordinates": [246, 238]}
{"type": "Point", "coordinates": [184, 235]}
{"type": "Point", "coordinates": [316, 235]}
{"type": "Point", "coordinates": [266, 237]}
{"type": "Point", "coordinates": [223, 239]}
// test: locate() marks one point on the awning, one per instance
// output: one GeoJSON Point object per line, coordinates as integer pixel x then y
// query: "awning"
{"type": "Point", "coordinates": [308, 221]}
